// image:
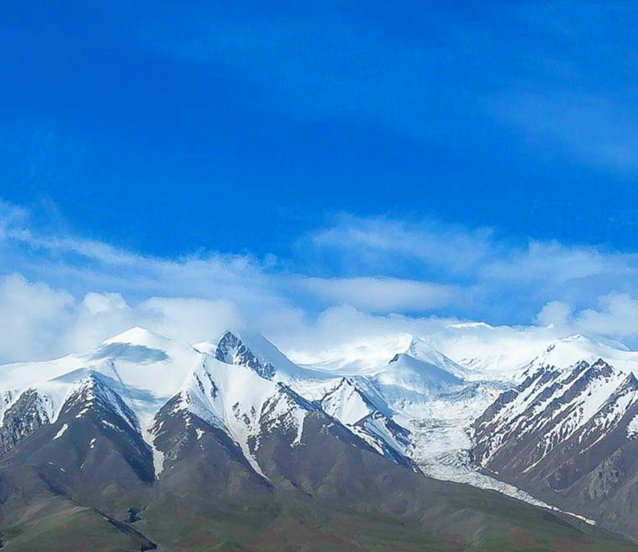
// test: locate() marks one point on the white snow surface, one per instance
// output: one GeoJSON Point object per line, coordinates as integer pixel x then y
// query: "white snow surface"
{"type": "Point", "coordinates": [515, 355]}
{"type": "Point", "coordinates": [240, 402]}
{"type": "Point", "coordinates": [345, 403]}
{"type": "Point", "coordinates": [61, 432]}
{"type": "Point", "coordinates": [566, 352]}
{"type": "Point", "coordinates": [372, 357]}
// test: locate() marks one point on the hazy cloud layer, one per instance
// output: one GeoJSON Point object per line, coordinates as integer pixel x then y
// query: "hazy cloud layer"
{"type": "Point", "coordinates": [355, 276]}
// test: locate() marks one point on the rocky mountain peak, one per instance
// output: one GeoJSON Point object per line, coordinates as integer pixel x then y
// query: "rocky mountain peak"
{"type": "Point", "coordinates": [93, 394]}
{"type": "Point", "coordinates": [631, 381]}
{"type": "Point", "coordinates": [231, 349]}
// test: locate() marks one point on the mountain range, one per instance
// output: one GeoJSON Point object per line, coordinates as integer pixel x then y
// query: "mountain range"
{"type": "Point", "coordinates": [149, 443]}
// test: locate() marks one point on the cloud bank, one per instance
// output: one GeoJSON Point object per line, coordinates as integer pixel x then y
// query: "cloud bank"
{"type": "Point", "coordinates": [354, 276]}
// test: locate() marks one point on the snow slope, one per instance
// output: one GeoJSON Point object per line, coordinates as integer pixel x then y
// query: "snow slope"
{"type": "Point", "coordinates": [240, 402]}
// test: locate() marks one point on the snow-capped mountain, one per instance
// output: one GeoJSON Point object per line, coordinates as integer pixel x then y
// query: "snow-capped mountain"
{"type": "Point", "coordinates": [566, 352]}
{"type": "Point", "coordinates": [238, 400]}
{"type": "Point", "coordinates": [504, 357]}
{"type": "Point", "coordinates": [144, 440]}
{"type": "Point", "coordinates": [404, 398]}
{"type": "Point", "coordinates": [550, 407]}
{"type": "Point", "coordinates": [253, 350]}
{"type": "Point", "coordinates": [565, 435]}
{"type": "Point", "coordinates": [240, 383]}
{"type": "Point", "coordinates": [145, 408]}
{"type": "Point", "coordinates": [385, 389]}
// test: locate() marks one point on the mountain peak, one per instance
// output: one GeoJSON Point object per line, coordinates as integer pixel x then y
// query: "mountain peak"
{"type": "Point", "coordinates": [252, 349]}
{"type": "Point", "coordinates": [421, 350]}
{"type": "Point", "coordinates": [630, 382]}
{"type": "Point", "coordinates": [138, 336]}
{"type": "Point", "coordinates": [600, 364]}
{"type": "Point", "coordinates": [92, 392]}
{"type": "Point", "coordinates": [577, 337]}
{"type": "Point", "coordinates": [231, 349]}
{"type": "Point", "coordinates": [229, 333]}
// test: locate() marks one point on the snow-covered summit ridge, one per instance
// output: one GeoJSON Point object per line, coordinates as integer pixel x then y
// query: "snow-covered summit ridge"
{"type": "Point", "coordinates": [423, 351]}
{"type": "Point", "coordinates": [553, 404]}
{"type": "Point", "coordinates": [566, 352]}
{"type": "Point", "coordinates": [503, 357]}
{"type": "Point", "coordinates": [140, 336]}
{"type": "Point", "coordinates": [370, 356]}
{"type": "Point", "coordinates": [252, 349]}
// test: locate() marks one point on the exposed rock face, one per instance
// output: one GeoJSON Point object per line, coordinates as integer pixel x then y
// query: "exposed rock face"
{"type": "Point", "coordinates": [565, 436]}
{"type": "Point", "coordinates": [232, 350]}
{"type": "Point", "coordinates": [603, 479]}
{"type": "Point", "coordinates": [22, 419]}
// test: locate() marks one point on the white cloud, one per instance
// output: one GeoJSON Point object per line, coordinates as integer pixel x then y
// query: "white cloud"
{"type": "Point", "coordinates": [40, 322]}
{"type": "Point", "coordinates": [553, 262]}
{"type": "Point", "coordinates": [462, 253]}
{"type": "Point", "coordinates": [381, 294]}
{"type": "Point", "coordinates": [616, 316]}
{"type": "Point", "coordinates": [502, 279]}
{"type": "Point", "coordinates": [381, 242]}
{"type": "Point", "coordinates": [555, 313]}
{"type": "Point", "coordinates": [95, 303]}
{"type": "Point", "coordinates": [31, 315]}
{"type": "Point", "coordinates": [64, 293]}
{"type": "Point", "coordinates": [191, 319]}
{"type": "Point", "coordinates": [345, 330]}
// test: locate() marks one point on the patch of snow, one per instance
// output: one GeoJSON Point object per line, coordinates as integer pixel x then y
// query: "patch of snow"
{"type": "Point", "coordinates": [106, 423]}
{"type": "Point", "coordinates": [158, 461]}
{"type": "Point", "coordinates": [148, 433]}
{"type": "Point", "coordinates": [61, 432]}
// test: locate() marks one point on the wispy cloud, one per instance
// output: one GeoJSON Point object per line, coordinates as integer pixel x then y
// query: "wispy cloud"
{"type": "Point", "coordinates": [458, 252]}
{"type": "Point", "coordinates": [388, 274]}
{"type": "Point", "coordinates": [599, 131]}
{"type": "Point", "coordinates": [496, 278]}
{"type": "Point", "coordinates": [385, 243]}
{"type": "Point", "coordinates": [382, 294]}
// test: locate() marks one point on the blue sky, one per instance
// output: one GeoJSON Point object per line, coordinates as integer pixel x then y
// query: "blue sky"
{"type": "Point", "coordinates": [450, 159]}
